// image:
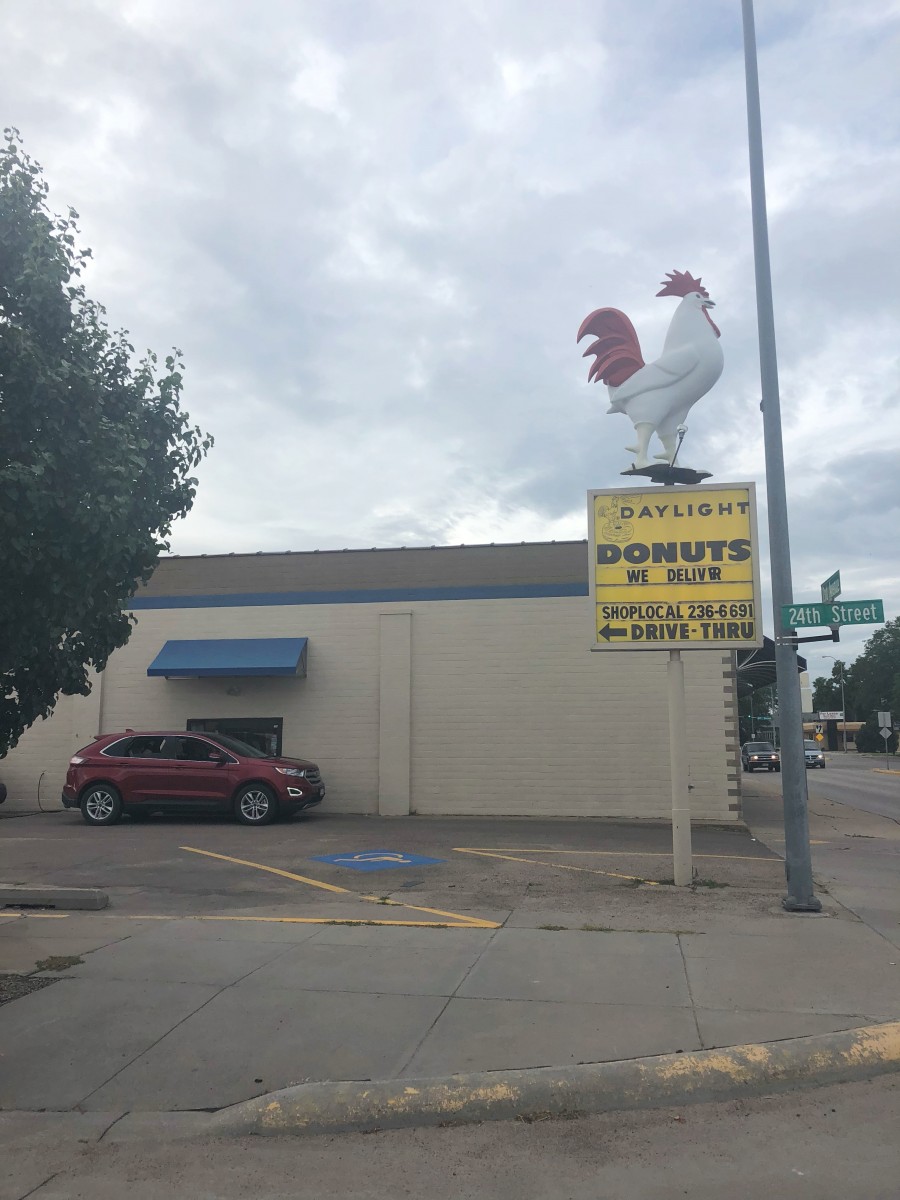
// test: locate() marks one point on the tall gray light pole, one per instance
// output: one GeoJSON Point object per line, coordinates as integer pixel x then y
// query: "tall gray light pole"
{"type": "Point", "coordinates": [797, 862]}
{"type": "Point", "coordinates": [840, 667]}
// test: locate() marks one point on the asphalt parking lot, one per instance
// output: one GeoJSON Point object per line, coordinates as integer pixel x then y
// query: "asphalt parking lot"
{"type": "Point", "coordinates": [235, 961]}
{"type": "Point", "coordinates": [468, 870]}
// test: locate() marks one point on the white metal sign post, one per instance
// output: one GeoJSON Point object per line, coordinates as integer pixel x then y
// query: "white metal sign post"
{"type": "Point", "coordinates": [885, 726]}
{"type": "Point", "coordinates": [675, 568]}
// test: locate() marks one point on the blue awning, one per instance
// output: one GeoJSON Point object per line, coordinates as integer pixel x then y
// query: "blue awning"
{"type": "Point", "coordinates": [231, 656]}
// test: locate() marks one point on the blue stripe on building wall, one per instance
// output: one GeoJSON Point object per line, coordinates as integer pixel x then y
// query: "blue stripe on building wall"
{"type": "Point", "coordinates": [511, 591]}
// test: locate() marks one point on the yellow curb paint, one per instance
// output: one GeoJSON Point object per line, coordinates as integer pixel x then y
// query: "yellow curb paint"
{"type": "Point", "coordinates": [464, 921]}
{"type": "Point", "coordinates": [613, 853]}
{"type": "Point", "coordinates": [624, 1085]}
{"type": "Point", "coordinates": [560, 866]}
{"type": "Point", "coordinates": [885, 771]}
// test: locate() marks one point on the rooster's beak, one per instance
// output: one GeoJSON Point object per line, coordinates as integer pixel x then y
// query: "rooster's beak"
{"type": "Point", "coordinates": [709, 304]}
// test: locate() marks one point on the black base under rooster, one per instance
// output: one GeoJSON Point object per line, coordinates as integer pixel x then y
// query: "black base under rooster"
{"type": "Point", "coordinates": [666, 474]}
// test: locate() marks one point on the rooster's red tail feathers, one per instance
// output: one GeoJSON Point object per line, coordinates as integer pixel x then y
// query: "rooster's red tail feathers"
{"type": "Point", "coordinates": [617, 347]}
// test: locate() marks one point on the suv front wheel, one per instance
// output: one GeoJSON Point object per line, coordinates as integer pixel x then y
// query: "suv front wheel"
{"type": "Point", "coordinates": [255, 804]}
{"type": "Point", "coordinates": [101, 805]}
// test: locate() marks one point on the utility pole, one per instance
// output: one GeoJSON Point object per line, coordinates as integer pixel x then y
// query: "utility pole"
{"type": "Point", "coordinates": [797, 859]}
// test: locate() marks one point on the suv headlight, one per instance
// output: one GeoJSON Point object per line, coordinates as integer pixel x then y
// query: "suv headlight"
{"type": "Point", "coordinates": [299, 772]}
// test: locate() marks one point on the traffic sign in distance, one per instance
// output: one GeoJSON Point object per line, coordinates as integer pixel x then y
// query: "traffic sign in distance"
{"type": "Point", "coordinates": [675, 567]}
{"type": "Point", "coordinates": [831, 588]}
{"type": "Point", "coordinates": [820, 737]}
{"type": "Point", "coordinates": [831, 716]}
{"type": "Point", "coordinates": [841, 612]}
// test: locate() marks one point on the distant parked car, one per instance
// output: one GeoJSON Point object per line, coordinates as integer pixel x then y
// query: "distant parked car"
{"type": "Point", "coordinates": [2, 791]}
{"type": "Point", "coordinates": [813, 753]}
{"type": "Point", "coordinates": [144, 773]}
{"type": "Point", "coordinates": [760, 756]}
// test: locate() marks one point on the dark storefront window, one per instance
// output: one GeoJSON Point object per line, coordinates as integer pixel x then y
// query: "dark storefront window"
{"type": "Point", "coordinates": [264, 733]}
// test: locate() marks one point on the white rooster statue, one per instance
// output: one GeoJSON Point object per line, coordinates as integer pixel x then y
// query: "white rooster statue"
{"type": "Point", "coordinates": [656, 396]}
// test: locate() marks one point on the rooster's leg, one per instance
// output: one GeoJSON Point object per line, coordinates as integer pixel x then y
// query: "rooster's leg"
{"type": "Point", "coordinates": [670, 442]}
{"type": "Point", "coordinates": [644, 431]}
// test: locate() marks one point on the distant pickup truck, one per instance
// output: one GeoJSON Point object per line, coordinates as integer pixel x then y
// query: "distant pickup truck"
{"type": "Point", "coordinates": [760, 756]}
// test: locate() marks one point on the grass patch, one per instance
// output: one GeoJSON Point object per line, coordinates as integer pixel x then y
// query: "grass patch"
{"type": "Point", "coordinates": [554, 928]}
{"type": "Point", "coordinates": [58, 962]}
{"type": "Point", "coordinates": [610, 929]}
{"type": "Point", "coordinates": [634, 883]}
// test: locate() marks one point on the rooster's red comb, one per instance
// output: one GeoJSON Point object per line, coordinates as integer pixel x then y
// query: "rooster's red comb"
{"type": "Point", "coordinates": [681, 283]}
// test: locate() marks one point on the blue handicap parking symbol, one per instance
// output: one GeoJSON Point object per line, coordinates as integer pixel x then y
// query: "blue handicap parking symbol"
{"type": "Point", "coordinates": [376, 860]}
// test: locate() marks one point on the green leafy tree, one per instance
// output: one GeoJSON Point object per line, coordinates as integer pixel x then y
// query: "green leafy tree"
{"type": "Point", "coordinates": [96, 456]}
{"type": "Point", "coordinates": [876, 684]}
{"type": "Point", "coordinates": [757, 714]}
{"type": "Point", "coordinates": [826, 695]}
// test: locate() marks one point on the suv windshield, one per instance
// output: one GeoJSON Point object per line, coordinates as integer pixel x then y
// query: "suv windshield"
{"type": "Point", "coordinates": [810, 745]}
{"type": "Point", "coordinates": [759, 747]}
{"type": "Point", "coordinates": [236, 746]}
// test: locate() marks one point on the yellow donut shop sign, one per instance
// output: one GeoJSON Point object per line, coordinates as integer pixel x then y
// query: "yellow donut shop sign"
{"type": "Point", "coordinates": [675, 568]}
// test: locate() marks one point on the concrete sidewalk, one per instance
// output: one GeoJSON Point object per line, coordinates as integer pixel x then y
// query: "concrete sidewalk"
{"type": "Point", "coordinates": [182, 1014]}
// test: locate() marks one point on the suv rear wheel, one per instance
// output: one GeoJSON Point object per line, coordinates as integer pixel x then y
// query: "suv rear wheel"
{"type": "Point", "coordinates": [255, 804]}
{"type": "Point", "coordinates": [101, 805]}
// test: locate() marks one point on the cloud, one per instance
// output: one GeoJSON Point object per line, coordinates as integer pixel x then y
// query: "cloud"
{"type": "Point", "coordinates": [374, 229]}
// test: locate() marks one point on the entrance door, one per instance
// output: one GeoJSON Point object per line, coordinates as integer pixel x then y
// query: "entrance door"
{"type": "Point", "coordinates": [262, 733]}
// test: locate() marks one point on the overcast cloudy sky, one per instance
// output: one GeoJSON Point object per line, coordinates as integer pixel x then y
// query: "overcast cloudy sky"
{"type": "Point", "coordinates": [374, 227]}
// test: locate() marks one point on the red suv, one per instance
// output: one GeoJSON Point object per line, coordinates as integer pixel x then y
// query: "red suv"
{"type": "Point", "coordinates": [143, 773]}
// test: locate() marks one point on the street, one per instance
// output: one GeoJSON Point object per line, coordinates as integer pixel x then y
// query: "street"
{"type": "Point", "coordinates": [836, 1143]}
{"type": "Point", "coordinates": [861, 781]}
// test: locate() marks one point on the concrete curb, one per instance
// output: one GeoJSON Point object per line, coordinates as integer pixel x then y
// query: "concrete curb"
{"type": "Point", "coordinates": [669, 1079]}
{"type": "Point", "coordinates": [13, 896]}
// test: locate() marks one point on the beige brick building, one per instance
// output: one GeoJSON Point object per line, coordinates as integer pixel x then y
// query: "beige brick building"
{"type": "Point", "coordinates": [451, 680]}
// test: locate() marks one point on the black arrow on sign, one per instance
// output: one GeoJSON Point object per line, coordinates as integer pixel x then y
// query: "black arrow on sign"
{"type": "Point", "coordinates": [608, 633]}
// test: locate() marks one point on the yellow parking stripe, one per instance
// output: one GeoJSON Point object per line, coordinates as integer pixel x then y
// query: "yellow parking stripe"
{"type": "Point", "coordinates": [280, 920]}
{"type": "Point", "coordinates": [243, 862]}
{"type": "Point", "coordinates": [560, 866]}
{"type": "Point", "coordinates": [615, 853]}
{"type": "Point", "coordinates": [464, 921]}
{"type": "Point", "coordinates": [308, 920]}
{"type": "Point", "coordinates": [36, 916]}
{"type": "Point", "coordinates": [475, 922]}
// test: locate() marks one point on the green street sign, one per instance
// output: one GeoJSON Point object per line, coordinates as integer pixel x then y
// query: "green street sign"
{"type": "Point", "coordinates": [841, 612]}
{"type": "Point", "coordinates": [831, 588]}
